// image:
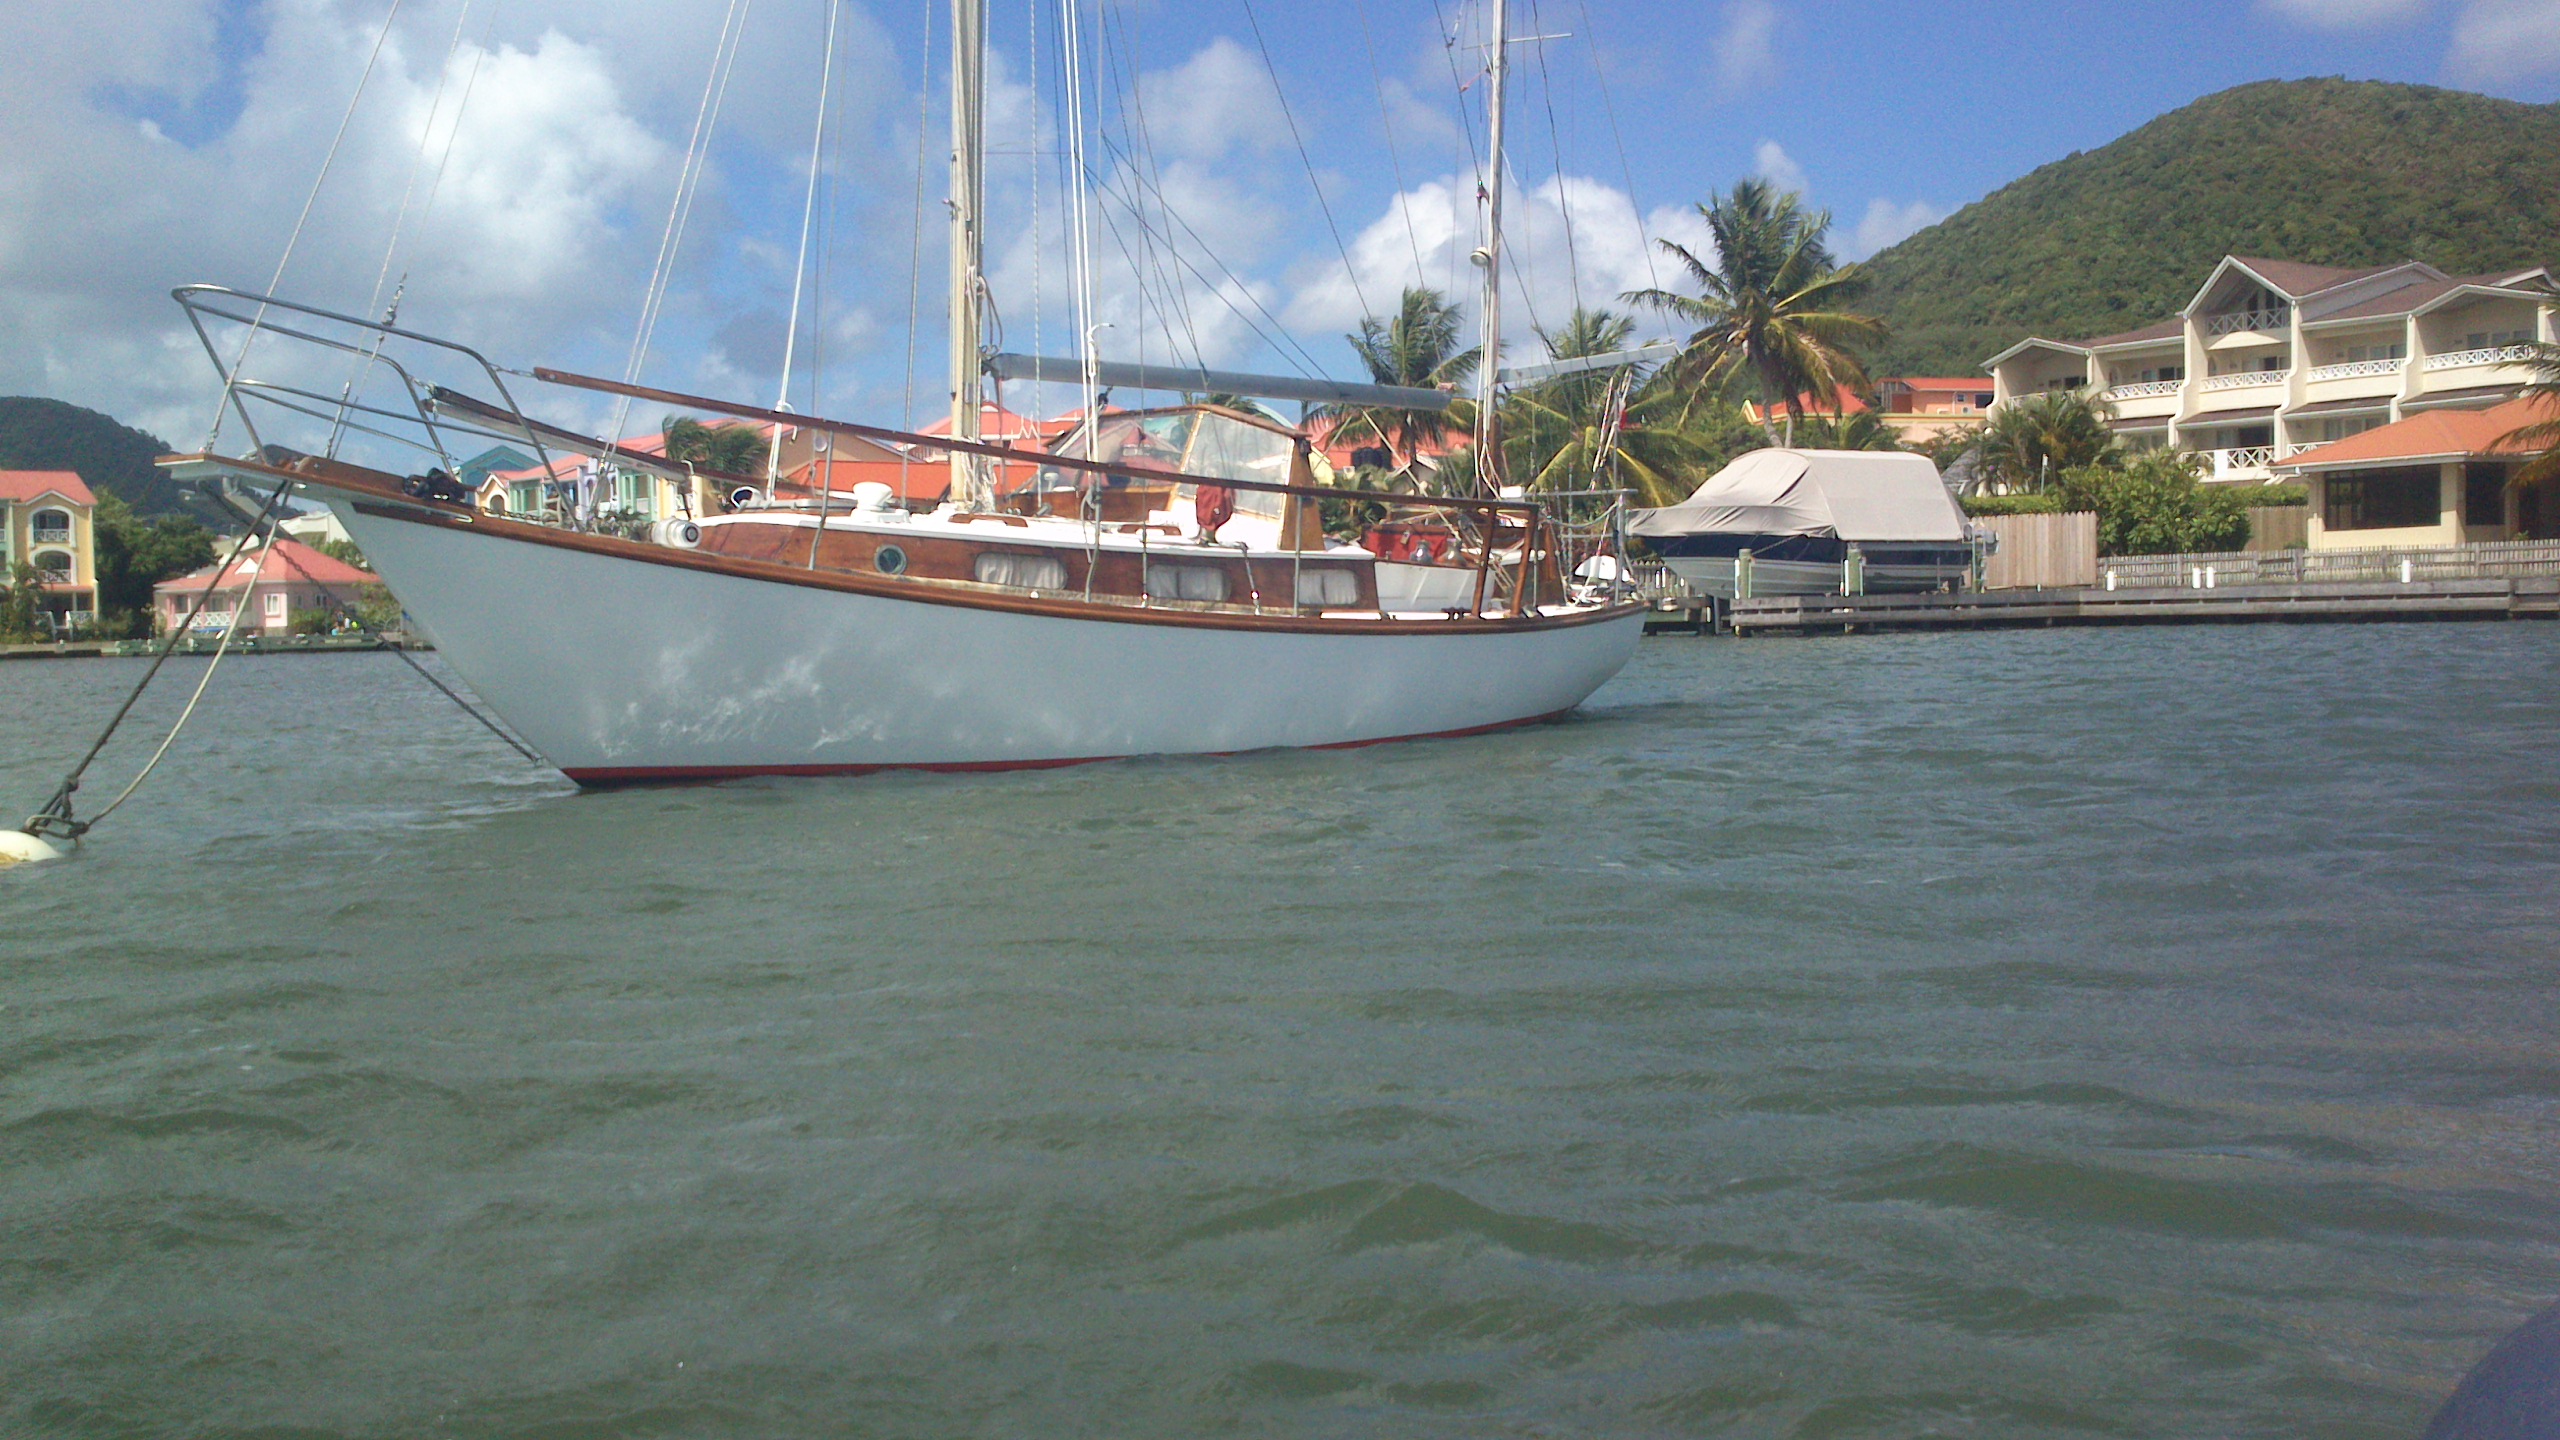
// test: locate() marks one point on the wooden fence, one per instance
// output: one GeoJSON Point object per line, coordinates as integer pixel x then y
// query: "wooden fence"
{"type": "Point", "coordinates": [2493, 560]}
{"type": "Point", "coordinates": [2041, 552]}
{"type": "Point", "coordinates": [2278, 527]}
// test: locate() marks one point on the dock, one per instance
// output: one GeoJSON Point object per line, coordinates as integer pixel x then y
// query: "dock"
{"type": "Point", "coordinates": [2512, 598]}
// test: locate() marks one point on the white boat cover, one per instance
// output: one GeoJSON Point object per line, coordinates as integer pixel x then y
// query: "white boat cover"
{"type": "Point", "coordinates": [1863, 495]}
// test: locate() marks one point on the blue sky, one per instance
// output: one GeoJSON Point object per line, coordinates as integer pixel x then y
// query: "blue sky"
{"type": "Point", "coordinates": [157, 141]}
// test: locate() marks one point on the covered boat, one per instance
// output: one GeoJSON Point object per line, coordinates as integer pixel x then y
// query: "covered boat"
{"type": "Point", "coordinates": [1798, 514]}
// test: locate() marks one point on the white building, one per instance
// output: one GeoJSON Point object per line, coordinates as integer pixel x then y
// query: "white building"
{"type": "Point", "coordinates": [2272, 358]}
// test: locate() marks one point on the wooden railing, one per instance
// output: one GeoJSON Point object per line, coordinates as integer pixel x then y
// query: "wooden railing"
{"type": "Point", "coordinates": [2240, 320]}
{"type": "Point", "coordinates": [2492, 355]}
{"type": "Point", "coordinates": [2242, 379]}
{"type": "Point", "coordinates": [2355, 369]}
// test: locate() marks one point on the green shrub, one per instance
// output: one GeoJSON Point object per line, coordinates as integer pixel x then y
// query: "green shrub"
{"type": "Point", "coordinates": [2155, 503]}
{"type": "Point", "coordinates": [2289, 493]}
{"type": "Point", "coordinates": [2049, 503]}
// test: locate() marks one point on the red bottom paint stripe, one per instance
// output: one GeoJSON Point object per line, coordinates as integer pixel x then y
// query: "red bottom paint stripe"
{"type": "Point", "coordinates": [604, 777]}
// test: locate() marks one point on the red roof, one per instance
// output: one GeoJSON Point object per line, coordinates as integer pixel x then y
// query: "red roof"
{"type": "Point", "coordinates": [30, 484]}
{"type": "Point", "coordinates": [1847, 403]}
{"type": "Point", "coordinates": [286, 562]}
{"type": "Point", "coordinates": [2433, 435]}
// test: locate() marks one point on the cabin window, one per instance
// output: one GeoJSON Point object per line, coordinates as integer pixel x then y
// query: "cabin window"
{"type": "Point", "coordinates": [890, 559]}
{"type": "Point", "coordinates": [2383, 500]}
{"type": "Point", "coordinates": [1022, 572]}
{"type": "Point", "coordinates": [2484, 495]}
{"type": "Point", "coordinates": [1187, 582]}
{"type": "Point", "coordinates": [1328, 587]}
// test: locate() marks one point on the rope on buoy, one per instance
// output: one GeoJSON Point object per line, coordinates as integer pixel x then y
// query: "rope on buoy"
{"type": "Point", "coordinates": [56, 821]}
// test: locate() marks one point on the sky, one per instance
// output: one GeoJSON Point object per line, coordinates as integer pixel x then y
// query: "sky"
{"type": "Point", "coordinates": [1264, 174]}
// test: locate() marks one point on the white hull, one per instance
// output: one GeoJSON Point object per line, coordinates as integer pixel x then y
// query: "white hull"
{"type": "Point", "coordinates": [622, 669]}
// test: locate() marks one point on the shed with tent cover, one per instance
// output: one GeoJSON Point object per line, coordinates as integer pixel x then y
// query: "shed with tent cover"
{"type": "Point", "coordinates": [1783, 522]}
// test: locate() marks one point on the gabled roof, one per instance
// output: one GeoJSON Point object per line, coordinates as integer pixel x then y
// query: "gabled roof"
{"type": "Point", "coordinates": [287, 562]}
{"type": "Point", "coordinates": [34, 484]}
{"type": "Point", "coordinates": [2434, 435]}
{"type": "Point", "coordinates": [2294, 280]}
{"type": "Point", "coordinates": [2169, 329]}
{"type": "Point", "coordinates": [2428, 295]}
{"type": "Point", "coordinates": [2030, 343]}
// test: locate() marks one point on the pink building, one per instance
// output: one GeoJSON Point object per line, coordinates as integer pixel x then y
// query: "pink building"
{"type": "Point", "coordinates": [276, 583]}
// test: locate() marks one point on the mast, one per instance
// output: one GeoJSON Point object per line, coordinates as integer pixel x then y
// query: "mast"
{"type": "Point", "coordinates": [968, 241]}
{"type": "Point", "coordinates": [1488, 432]}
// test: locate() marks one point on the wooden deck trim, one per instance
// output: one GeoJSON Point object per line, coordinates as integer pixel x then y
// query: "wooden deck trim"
{"type": "Point", "coordinates": [378, 494]}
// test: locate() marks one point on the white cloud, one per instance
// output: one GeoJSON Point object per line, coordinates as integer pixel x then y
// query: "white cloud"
{"type": "Point", "coordinates": [1772, 163]}
{"type": "Point", "coordinates": [1746, 49]}
{"type": "Point", "coordinates": [1219, 100]}
{"type": "Point", "coordinates": [2498, 41]}
{"type": "Point", "coordinates": [158, 149]}
{"type": "Point", "coordinates": [1567, 240]}
{"type": "Point", "coordinates": [1887, 223]}
{"type": "Point", "coordinates": [2346, 14]}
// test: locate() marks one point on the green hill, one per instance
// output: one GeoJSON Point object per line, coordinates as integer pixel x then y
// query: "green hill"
{"type": "Point", "coordinates": [2330, 172]}
{"type": "Point", "coordinates": [41, 434]}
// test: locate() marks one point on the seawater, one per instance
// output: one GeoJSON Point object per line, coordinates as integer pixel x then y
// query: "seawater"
{"type": "Point", "coordinates": [2107, 1033]}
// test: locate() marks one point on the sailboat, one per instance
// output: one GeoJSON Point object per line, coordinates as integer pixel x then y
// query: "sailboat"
{"type": "Point", "coordinates": [1167, 586]}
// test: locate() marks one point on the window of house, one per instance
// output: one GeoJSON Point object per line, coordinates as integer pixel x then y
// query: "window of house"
{"type": "Point", "coordinates": [56, 566]}
{"type": "Point", "coordinates": [275, 607]}
{"type": "Point", "coordinates": [51, 526]}
{"type": "Point", "coordinates": [2339, 427]}
{"type": "Point", "coordinates": [2066, 382]}
{"type": "Point", "coordinates": [2495, 339]}
{"type": "Point", "coordinates": [2383, 499]}
{"type": "Point", "coordinates": [2484, 495]}
{"type": "Point", "coordinates": [2356, 354]}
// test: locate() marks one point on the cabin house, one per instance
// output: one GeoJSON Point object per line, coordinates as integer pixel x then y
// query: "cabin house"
{"type": "Point", "coordinates": [2440, 477]}
{"type": "Point", "coordinates": [2272, 358]}
{"type": "Point", "coordinates": [278, 582]}
{"type": "Point", "coordinates": [48, 520]}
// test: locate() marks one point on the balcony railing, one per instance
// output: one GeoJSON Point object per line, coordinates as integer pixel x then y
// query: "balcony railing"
{"type": "Point", "coordinates": [2144, 389]}
{"type": "Point", "coordinates": [2239, 320]}
{"type": "Point", "coordinates": [2241, 379]}
{"type": "Point", "coordinates": [52, 535]}
{"type": "Point", "coordinates": [2494, 355]}
{"type": "Point", "coordinates": [2356, 369]}
{"type": "Point", "coordinates": [2244, 459]}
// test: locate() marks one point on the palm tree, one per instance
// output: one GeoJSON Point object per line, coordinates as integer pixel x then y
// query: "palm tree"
{"type": "Point", "coordinates": [2029, 443]}
{"type": "Point", "coordinates": [2544, 433]}
{"type": "Point", "coordinates": [1419, 349]}
{"type": "Point", "coordinates": [735, 448]}
{"type": "Point", "coordinates": [1560, 434]}
{"type": "Point", "coordinates": [1864, 430]}
{"type": "Point", "coordinates": [1771, 308]}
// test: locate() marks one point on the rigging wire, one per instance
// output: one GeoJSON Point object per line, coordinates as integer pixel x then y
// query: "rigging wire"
{"type": "Point", "coordinates": [1139, 144]}
{"type": "Point", "coordinates": [706, 119]}
{"type": "Point", "coordinates": [915, 259]}
{"type": "Point", "coordinates": [1350, 271]}
{"type": "Point", "coordinates": [1387, 128]}
{"type": "Point", "coordinates": [1466, 130]}
{"type": "Point", "coordinates": [1644, 240]}
{"type": "Point", "coordinates": [800, 265]}
{"type": "Point", "coordinates": [231, 380]}
{"type": "Point", "coordinates": [1555, 141]}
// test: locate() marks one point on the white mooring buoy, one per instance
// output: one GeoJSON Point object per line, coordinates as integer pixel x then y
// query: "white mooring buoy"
{"type": "Point", "coordinates": [17, 847]}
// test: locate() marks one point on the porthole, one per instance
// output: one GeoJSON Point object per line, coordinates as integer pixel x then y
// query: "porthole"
{"type": "Point", "coordinates": [890, 559]}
